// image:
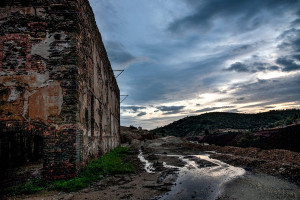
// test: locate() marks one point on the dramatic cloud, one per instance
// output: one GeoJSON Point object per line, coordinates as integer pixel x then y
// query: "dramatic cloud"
{"type": "Point", "coordinates": [141, 114]}
{"type": "Point", "coordinates": [170, 109]}
{"type": "Point", "coordinates": [252, 67]}
{"type": "Point", "coordinates": [238, 67]}
{"type": "Point", "coordinates": [289, 65]}
{"type": "Point", "coordinates": [297, 57]}
{"type": "Point", "coordinates": [291, 40]}
{"type": "Point", "coordinates": [246, 15]}
{"type": "Point", "coordinates": [132, 108]}
{"type": "Point", "coordinates": [213, 108]}
{"type": "Point", "coordinates": [118, 53]}
{"type": "Point", "coordinates": [241, 99]}
{"type": "Point", "coordinates": [272, 91]}
{"type": "Point", "coordinates": [269, 106]}
{"type": "Point", "coordinates": [194, 56]}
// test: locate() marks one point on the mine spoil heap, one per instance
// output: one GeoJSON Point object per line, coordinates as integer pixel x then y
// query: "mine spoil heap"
{"type": "Point", "coordinates": [59, 99]}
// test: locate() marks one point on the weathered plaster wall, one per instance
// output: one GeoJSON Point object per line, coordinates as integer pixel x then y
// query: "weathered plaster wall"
{"type": "Point", "coordinates": [56, 82]}
{"type": "Point", "coordinates": [99, 97]}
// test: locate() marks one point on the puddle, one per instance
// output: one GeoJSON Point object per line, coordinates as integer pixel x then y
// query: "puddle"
{"type": "Point", "coordinates": [201, 178]}
{"type": "Point", "coordinates": [148, 166]}
{"type": "Point", "coordinates": [217, 153]}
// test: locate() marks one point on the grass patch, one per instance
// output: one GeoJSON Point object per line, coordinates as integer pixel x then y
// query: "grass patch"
{"type": "Point", "coordinates": [30, 187]}
{"type": "Point", "coordinates": [109, 164]}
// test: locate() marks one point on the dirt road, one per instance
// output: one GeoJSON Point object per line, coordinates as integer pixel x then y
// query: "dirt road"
{"type": "Point", "coordinates": [167, 170]}
{"type": "Point", "coordinates": [202, 177]}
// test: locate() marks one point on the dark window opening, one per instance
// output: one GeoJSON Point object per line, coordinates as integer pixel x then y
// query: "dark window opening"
{"type": "Point", "coordinates": [86, 119]}
{"type": "Point", "coordinates": [21, 157]}
{"type": "Point", "coordinates": [92, 116]}
{"type": "Point", "coordinates": [17, 149]}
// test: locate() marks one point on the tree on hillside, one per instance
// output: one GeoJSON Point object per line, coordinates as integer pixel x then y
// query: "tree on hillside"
{"type": "Point", "coordinates": [295, 117]}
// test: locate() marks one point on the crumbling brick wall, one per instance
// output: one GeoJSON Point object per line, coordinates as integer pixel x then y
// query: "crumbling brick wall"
{"type": "Point", "coordinates": [56, 82]}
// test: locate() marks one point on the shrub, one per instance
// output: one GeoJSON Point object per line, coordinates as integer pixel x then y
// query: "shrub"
{"type": "Point", "coordinates": [249, 140]}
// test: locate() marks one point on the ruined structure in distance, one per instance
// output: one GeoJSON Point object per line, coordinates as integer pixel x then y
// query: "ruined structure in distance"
{"type": "Point", "coordinates": [59, 99]}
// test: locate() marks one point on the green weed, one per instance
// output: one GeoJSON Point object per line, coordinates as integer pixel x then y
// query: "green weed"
{"type": "Point", "coordinates": [30, 187]}
{"type": "Point", "coordinates": [109, 164]}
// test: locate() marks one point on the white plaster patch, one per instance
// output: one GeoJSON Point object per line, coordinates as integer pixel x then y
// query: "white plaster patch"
{"type": "Point", "coordinates": [42, 48]}
{"type": "Point", "coordinates": [14, 95]}
{"type": "Point", "coordinates": [41, 79]}
{"type": "Point", "coordinates": [9, 83]}
{"type": "Point", "coordinates": [25, 107]}
{"type": "Point", "coordinates": [41, 12]}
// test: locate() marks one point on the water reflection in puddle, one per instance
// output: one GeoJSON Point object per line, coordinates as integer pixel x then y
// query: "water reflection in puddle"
{"type": "Point", "coordinates": [148, 166]}
{"type": "Point", "coordinates": [201, 178]}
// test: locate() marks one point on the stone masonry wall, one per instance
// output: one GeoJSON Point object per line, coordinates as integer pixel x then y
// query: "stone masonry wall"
{"type": "Point", "coordinates": [56, 82]}
{"type": "Point", "coordinates": [99, 96]}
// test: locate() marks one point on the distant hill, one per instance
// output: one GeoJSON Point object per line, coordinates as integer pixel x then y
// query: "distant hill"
{"type": "Point", "coordinates": [209, 123]}
{"type": "Point", "coordinates": [274, 138]}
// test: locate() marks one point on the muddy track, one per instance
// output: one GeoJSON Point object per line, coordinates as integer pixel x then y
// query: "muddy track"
{"type": "Point", "coordinates": [203, 177]}
{"type": "Point", "coordinates": [168, 169]}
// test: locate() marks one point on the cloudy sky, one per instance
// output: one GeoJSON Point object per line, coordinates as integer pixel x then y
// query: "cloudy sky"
{"type": "Point", "coordinates": [187, 57]}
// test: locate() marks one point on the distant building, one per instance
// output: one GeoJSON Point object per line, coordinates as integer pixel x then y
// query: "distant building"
{"type": "Point", "coordinates": [59, 99]}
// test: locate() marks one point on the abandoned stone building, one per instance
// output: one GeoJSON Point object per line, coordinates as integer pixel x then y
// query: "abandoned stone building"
{"type": "Point", "coordinates": [59, 99]}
